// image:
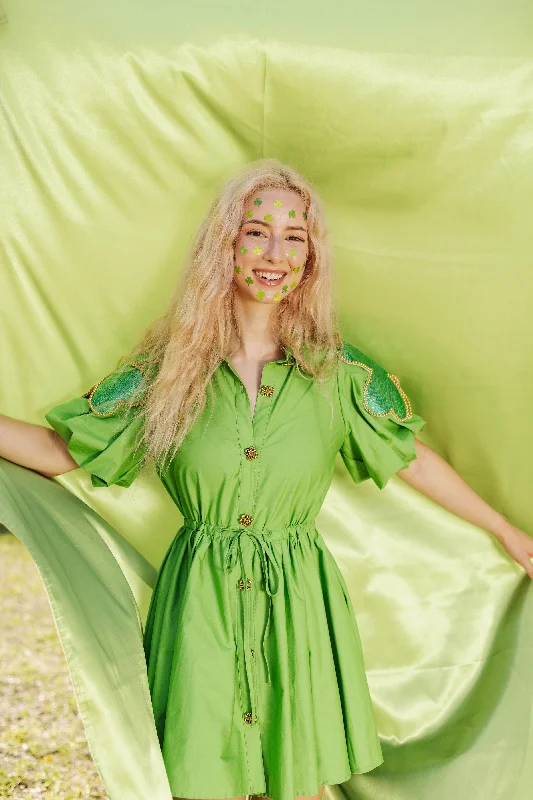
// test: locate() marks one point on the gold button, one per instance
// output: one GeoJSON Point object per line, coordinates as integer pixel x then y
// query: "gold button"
{"type": "Point", "coordinates": [248, 718]}
{"type": "Point", "coordinates": [250, 453]}
{"type": "Point", "coordinates": [246, 519]}
{"type": "Point", "coordinates": [248, 584]}
{"type": "Point", "coordinates": [267, 391]}
{"type": "Point", "coordinates": [241, 584]}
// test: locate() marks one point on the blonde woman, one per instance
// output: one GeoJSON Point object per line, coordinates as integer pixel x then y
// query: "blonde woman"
{"type": "Point", "coordinates": [243, 394]}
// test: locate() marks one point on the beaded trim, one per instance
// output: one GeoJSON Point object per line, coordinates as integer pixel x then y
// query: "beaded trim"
{"type": "Point", "coordinates": [135, 365]}
{"type": "Point", "coordinates": [378, 385]}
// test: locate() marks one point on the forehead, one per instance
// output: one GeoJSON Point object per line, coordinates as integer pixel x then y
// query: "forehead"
{"type": "Point", "coordinates": [288, 198]}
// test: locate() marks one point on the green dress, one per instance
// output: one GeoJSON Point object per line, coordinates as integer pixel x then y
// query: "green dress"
{"type": "Point", "coordinates": [251, 637]}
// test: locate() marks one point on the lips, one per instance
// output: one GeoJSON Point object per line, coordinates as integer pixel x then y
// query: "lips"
{"type": "Point", "coordinates": [262, 273]}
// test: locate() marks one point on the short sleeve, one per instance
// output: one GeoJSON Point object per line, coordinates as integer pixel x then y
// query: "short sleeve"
{"type": "Point", "coordinates": [380, 425]}
{"type": "Point", "coordinates": [102, 430]}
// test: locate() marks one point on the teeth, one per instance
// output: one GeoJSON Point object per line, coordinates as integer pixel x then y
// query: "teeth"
{"type": "Point", "coordinates": [270, 276]}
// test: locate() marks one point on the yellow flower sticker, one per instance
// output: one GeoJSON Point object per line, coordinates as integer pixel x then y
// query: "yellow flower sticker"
{"type": "Point", "coordinates": [277, 297]}
{"type": "Point", "coordinates": [258, 250]}
{"type": "Point", "coordinates": [277, 203]}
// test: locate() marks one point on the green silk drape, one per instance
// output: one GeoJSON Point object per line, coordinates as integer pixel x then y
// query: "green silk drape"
{"type": "Point", "coordinates": [118, 122]}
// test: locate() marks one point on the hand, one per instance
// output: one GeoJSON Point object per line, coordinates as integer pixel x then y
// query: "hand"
{"type": "Point", "coordinates": [519, 545]}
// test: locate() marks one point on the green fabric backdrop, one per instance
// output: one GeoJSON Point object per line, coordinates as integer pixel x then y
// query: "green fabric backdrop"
{"type": "Point", "coordinates": [118, 122]}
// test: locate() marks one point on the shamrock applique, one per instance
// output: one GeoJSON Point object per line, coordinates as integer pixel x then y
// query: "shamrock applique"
{"type": "Point", "coordinates": [268, 217]}
{"type": "Point", "coordinates": [277, 203]}
{"type": "Point", "coordinates": [382, 393]}
{"type": "Point", "coordinates": [248, 280]}
{"type": "Point", "coordinates": [292, 213]}
{"type": "Point", "coordinates": [238, 270]}
{"type": "Point", "coordinates": [257, 250]}
{"type": "Point", "coordinates": [258, 201]}
{"type": "Point", "coordinates": [260, 294]}
{"type": "Point", "coordinates": [244, 250]}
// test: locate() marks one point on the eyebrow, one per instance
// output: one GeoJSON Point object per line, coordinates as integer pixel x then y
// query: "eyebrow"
{"type": "Point", "coordinates": [289, 227]}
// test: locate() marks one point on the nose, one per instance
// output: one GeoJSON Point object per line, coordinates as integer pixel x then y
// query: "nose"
{"type": "Point", "coordinates": [275, 249]}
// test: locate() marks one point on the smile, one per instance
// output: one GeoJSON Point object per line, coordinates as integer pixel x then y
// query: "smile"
{"type": "Point", "coordinates": [268, 278]}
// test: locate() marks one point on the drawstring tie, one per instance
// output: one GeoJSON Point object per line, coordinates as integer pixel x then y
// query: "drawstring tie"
{"type": "Point", "coordinates": [267, 561]}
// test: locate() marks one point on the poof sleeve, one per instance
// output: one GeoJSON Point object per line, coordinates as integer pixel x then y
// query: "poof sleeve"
{"type": "Point", "coordinates": [102, 432]}
{"type": "Point", "coordinates": [380, 425]}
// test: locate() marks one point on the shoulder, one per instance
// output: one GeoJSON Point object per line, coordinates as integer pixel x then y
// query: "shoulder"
{"type": "Point", "coordinates": [381, 393]}
{"type": "Point", "coordinates": [122, 388]}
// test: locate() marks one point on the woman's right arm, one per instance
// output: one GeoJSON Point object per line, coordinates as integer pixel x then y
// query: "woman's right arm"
{"type": "Point", "coordinates": [34, 446]}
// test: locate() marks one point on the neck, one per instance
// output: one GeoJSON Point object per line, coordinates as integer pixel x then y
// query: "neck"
{"type": "Point", "coordinates": [257, 343]}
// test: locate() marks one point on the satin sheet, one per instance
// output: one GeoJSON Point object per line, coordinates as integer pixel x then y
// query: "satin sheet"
{"type": "Point", "coordinates": [115, 130]}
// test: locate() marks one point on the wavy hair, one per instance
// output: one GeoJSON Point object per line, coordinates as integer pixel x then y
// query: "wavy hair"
{"type": "Point", "coordinates": [182, 349]}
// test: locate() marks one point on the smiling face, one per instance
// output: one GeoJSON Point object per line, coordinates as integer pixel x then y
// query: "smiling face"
{"type": "Point", "coordinates": [272, 246]}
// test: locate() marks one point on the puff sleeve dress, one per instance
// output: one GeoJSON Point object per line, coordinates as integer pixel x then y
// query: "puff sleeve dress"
{"type": "Point", "coordinates": [253, 654]}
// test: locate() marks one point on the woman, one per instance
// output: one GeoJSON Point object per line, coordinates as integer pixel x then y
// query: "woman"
{"type": "Point", "coordinates": [242, 395]}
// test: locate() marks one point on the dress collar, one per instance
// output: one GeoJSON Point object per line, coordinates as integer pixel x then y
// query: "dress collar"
{"type": "Point", "coordinates": [287, 360]}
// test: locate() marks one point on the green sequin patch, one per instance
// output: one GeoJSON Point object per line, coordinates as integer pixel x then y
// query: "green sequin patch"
{"type": "Point", "coordinates": [115, 390]}
{"type": "Point", "coordinates": [382, 393]}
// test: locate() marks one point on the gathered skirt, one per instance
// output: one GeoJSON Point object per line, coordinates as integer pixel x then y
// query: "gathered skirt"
{"type": "Point", "coordinates": [255, 665]}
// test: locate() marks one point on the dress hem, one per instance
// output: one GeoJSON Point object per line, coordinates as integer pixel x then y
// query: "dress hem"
{"type": "Point", "coordinates": [297, 792]}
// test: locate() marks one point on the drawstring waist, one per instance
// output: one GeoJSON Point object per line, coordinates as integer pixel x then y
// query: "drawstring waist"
{"type": "Point", "coordinates": [261, 540]}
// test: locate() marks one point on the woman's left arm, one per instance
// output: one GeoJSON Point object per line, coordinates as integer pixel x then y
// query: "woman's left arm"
{"type": "Point", "coordinates": [434, 477]}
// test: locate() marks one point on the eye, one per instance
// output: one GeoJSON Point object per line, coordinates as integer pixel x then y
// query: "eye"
{"type": "Point", "coordinates": [298, 238]}
{"type": "Point", "coordinates": [251, 232]}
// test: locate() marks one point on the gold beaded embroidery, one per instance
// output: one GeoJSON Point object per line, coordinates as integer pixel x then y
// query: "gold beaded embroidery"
{"type": "Point", "coordinates": [377, 394]}
{"type": "Point", "coordinates": [246, 519]}
{"type": "Point", "coordinates": [267, 391]}
{"type": "Point", "coordinates": [251, 453]}
{"type": "Point", "coordinates": [127, 390]}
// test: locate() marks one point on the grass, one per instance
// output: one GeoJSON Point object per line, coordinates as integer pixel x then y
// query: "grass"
{"type": "Point", "coordinates": [43, 749]}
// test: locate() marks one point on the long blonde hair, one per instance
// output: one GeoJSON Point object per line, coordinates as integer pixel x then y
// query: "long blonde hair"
{"type": "Point", "coordinates": [183, 348]}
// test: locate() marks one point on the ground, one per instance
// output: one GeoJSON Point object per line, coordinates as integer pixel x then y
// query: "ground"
{"type": "Point", "coordinates": [43, 749]}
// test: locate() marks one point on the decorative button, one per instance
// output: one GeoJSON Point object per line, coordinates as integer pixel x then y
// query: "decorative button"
{"type": "Point", "coordinates": [246, 519]}
{"type": "Point", "coordinates": [253, 653]}
{"type": "Point", "coordinates": [248, 584]}
{"type": "Point", "coordinates": [241, 584]}
{"type": "Point", "coordinates": [267, 391]}
{"type": "Point", "coordinates": [249, 719]}
{"type": "Point", "coordinates": [250, 453]}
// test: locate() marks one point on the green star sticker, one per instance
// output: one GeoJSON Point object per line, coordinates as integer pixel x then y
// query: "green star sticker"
{"type": "Point", "coordinates": [277, 203]}
{"type": "Point", "coordinates": [293, 285]}
{"type": "Point", "coordinates": [284, 288]}
{"type": "Point", "coordinates": [258, 201]}
{"type": "Point", "coordinates": [257, 250]}
{"type": "Point", "coordinates": [268, 217]}
{"type": "Point", "coordinates": [249, 213]}
{"type": "Point", "coordinates": [244, 250]}
{"type": "Point", "coordinates": [305, 214]}
{"type": "Point", "coordinates": [292, 213]}
{"type": "Point", "coordinates": [292, 253]}
{"type": "Point", "coordinates": [238, 270]}
{"type": "Point", "coordinates": [260, 294]}
{"type": "Point", "coordinates": [248, 280]}
{"type": "Point", "coordinates": [296, 269]}
{"type": "Point", "coordinates": [277, 297]}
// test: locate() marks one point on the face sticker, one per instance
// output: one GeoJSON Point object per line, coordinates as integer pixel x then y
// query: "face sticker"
{"type": "Point", "coordinates": [249, 213]}
{"type": "Point", "coordinates": [258, 201]}
{"type": "Point", "coordinates": [258, 250]}
{"type": "Point", "coordinates": [244, 250]}
{"type": "Point", "coordinates": [248, 280]}
{"type": "Point", "coordinates": [296, 269]}
{"type": "Point", "coordinates": [268, 217]}
{"type": "Point", "coordinates": [260, 294]}
{"type": "Point", "coordinates": [277, 203]}
{"type": "Point", "coordinates": [238, 270]}
{"type": "Point", "coordinates": [292, 253]}
{"type": "Point", "coordinates": [293, 285]}
{"type": "Point", "coordinates": [277, 297]}
{"type": "Point", "coordinates": [284, 288]}
{"type": "Point", "coordinates": [305, 214]}
{"type": "Point", "coordinates": [292, 213]}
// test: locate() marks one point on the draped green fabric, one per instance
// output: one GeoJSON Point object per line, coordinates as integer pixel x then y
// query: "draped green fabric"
{"type": "Point", "coordinates": [118, 122]}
